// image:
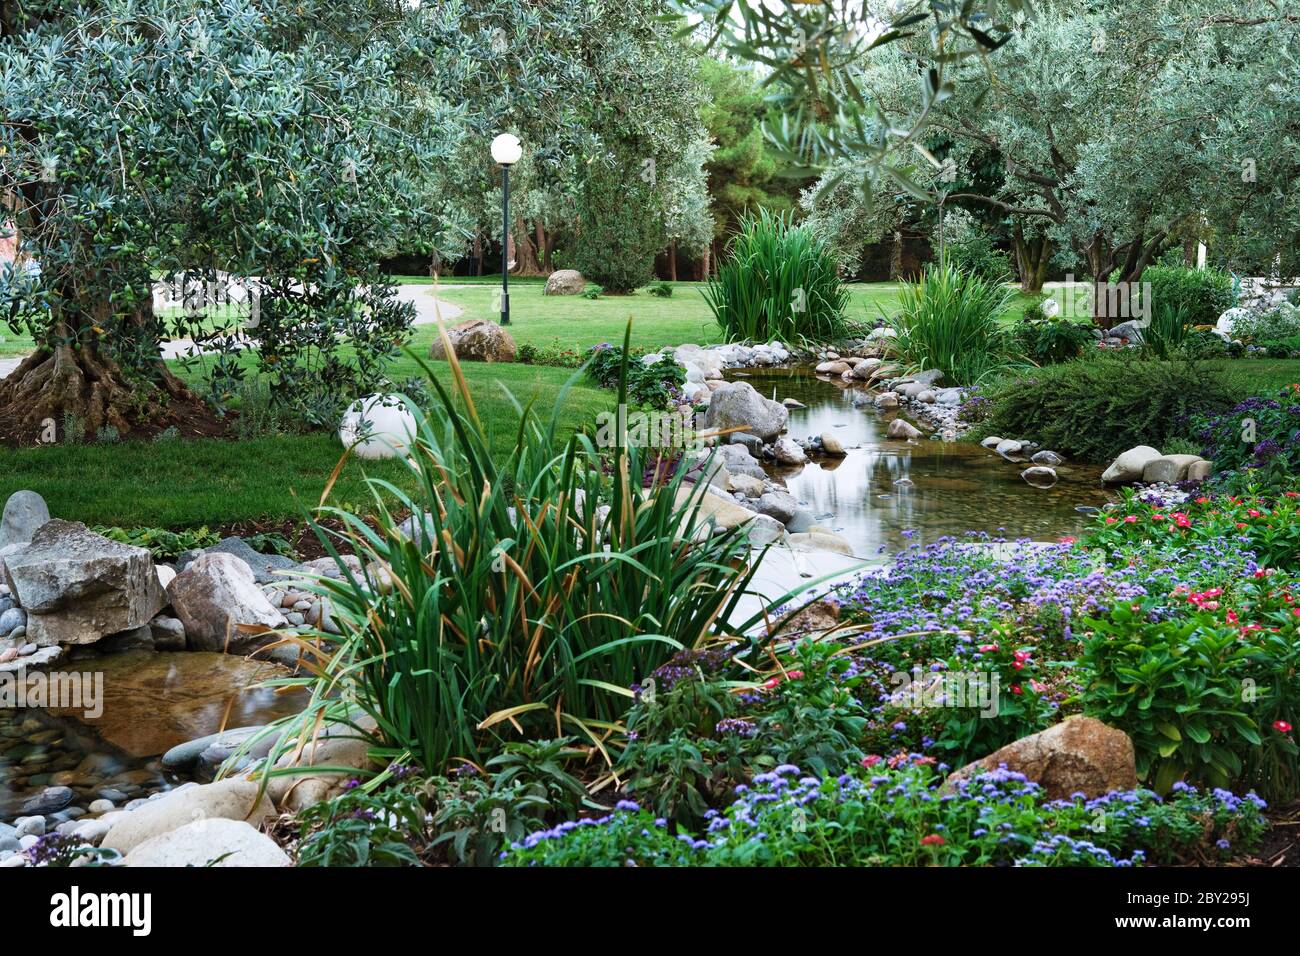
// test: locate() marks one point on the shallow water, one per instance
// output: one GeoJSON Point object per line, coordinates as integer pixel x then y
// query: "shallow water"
{"type": "Point", "coordinates": [954, 487]}
{"type": "Point", "coordinates": [150, 702]}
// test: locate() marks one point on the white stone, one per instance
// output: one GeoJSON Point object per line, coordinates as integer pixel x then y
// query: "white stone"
{"type": "Point", "coordinates": [1130, 465]}
{"type": "Point", "coordinates": [205, 843]}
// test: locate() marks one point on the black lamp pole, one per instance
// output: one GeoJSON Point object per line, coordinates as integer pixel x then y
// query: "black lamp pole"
{"type": "Point", "coordinates": [505, 244]}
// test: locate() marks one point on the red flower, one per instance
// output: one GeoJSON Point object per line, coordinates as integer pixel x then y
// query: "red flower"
{"type": "Point", "coordinates": [1157, 517]}
{"type": "Point", "coordinates": [776, 679]}
{"type": "Point", "coordinates": [933, 839]}
{"type": "Point", "coordinates": [988, 648]}
{"type": "Point", "coordinates": [1067, 540]}
{"type": "Point", "coordinates": [1015, 689]}
{"type": "Point", "coordinates": [1130, 519]}
{"type": "Point", "coordinates": [870, 760]}
{"type": "Point", "coordinates": [1282, 726]}
{"type": "Point", "coordinates": [1252, 512]}
{"type": "Point", "coordinates": [1111, 520]}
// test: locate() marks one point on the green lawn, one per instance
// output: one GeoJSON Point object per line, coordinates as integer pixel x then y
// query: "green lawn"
{"type": "Point", "coordinates": [191, 483]}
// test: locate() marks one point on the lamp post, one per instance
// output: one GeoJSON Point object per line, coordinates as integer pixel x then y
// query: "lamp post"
{"type": "Point", "coordinates": [506, 151]}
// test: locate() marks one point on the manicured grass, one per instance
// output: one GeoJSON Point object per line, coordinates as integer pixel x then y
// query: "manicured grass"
{"type": "Point", "coordinates": [190, 483]}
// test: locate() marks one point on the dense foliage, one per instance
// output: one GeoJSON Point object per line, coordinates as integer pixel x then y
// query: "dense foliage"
{"type": "Point", "coordinates": [1095, 408]}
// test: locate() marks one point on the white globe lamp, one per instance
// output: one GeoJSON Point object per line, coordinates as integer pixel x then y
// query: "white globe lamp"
{"type": "Point", "coordinates": [378, 426]}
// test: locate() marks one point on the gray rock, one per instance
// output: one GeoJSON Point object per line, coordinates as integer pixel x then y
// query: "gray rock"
{"type": "Point", "coordinates": [763, 530]}
{"type": "Point", "coordinates": [565, 282]}
{"type": "Point", "coordinates": [788, 452]}
{"type": "Point", "coordinates": [737, 405]}
{"type": "Point", "coordinates": [1009, 448]}
{"type": "Point", "coordinates": [886, 400]}
{"type": "Point", "coordinates": [1127, 330]}
{"type": "Point", "coordinates": [991, 442]}
{"type": "Point", "coordinates": [739, 461]}
{"type": "Point", "coordinates": [928, 377]}
{"type": "Point", "coordinates": [13, 618]}
{"type": "Point", "coordinates": [29, 826]}
{"type": "Point", "coordinates": [1200, 470]}
{"type": "Point", "coordinates": [9, 844]}
{"type": "Point", "coordinates": [949, 396]}
{"type": "Point", "coordinates": [214, 597]}
{"type": "Point", "coordinates": [1049, 458]}
{"type": "Point", "coordinates": [78, 586]}
{"type": "Point", "coordinates": [752, 443]}
{"type": "Point", "coordinates": [49, 800]}
{"type": "Point", "coordinates": [183, 756]}
{"type": "Point", "coordinates": [1040, 476]}
{"type": "Point", "coordinates": [263, 566]}
{"type": "Point", "coordinates": [780, 505]}
{"type": "Point", "coordinates": [901, 429]}
{"type": "Point", "coordinates": [802, 521]}
{"type": "Point", "coordinates": [168, 633]}
{"type": "Point", "coordinates": [24, 513]}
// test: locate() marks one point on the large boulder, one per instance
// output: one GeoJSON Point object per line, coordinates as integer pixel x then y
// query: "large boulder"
{"type": "Point", "coordinates": [216, 594]}
{"type": "Point", "coordinates": [738, 406]}
{"type": "Point", "coordinates": [565, 282]}
{"type": "Point", "coordinates": [722, 512]}
{"type": "Point", "coordinates": [206, 843]}
{"type": "Point", "coordinates": [224, 800]}
{"type": "Point", "coordinates": [24, 513]}
{"type": "Point", "coordinates": [477, 340]}
{"type": "Point", "coordinates": [78, 586]}
{"type": "Point", "coordinates": [1130, 465]}
{"type": "Point", "coordinates": [1168, 468]}
{"type": "Point", "coordinates": [1078, 755]}
{"type": "Point", "coordinates": [337, 746]}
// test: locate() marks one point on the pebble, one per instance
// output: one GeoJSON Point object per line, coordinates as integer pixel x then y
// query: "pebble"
{"type": "Point", "coordinates": [29, 826]}
{"type": "Point", "coordinates": [9, 844]}
{"type": "Point", "coordinates": [28, 841]}
{"type": "Point", "coordinates": [102, 806]}
{"type": "Point", "coordinates": [27, 649]}
{"type": "Point", "coordinates": [14, 861]}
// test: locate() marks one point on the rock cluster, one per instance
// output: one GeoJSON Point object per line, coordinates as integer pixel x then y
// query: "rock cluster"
{"type": "Point", "coordinates": [1145, 464]}
{"type": "Point", "coordinates": [704, 367]}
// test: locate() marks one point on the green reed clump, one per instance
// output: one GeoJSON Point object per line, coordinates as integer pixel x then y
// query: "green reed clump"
{"type": "Point", "coordinates": [781, 282]}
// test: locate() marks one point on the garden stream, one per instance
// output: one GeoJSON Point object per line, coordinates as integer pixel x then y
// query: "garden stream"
{"type": "Point", "coordinates": [884, 495]}
{"type": "Point", "coordinates": [888, 493]}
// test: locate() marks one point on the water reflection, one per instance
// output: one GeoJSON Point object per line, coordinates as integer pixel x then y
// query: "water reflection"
{"type": "Point", "coordinates": [931, 488]}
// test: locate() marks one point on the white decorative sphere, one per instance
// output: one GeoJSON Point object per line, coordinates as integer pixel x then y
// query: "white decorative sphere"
{"type": "Point", "coordinates": [380, 426]}
{"type": "Point", "coordinates": [1051, 308]}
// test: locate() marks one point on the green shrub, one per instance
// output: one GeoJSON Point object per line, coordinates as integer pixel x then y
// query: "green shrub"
{"type": "Point", "coordinates": [662, 290]}
{"type": "Point", "coordinates": [779, 281]}
{"type": "Point", "coordinates": [949, 320]}
{"type": "Point", "coordinates": [1097, 407]}
{"type": "Point", "coordinates": [621, 228]}
{"type": "Point", "coordinates": [1253, 443]}
{"type": "Point", "coordinates": [976, 254]}
{"type": "Point", "coordinates": [1201, 294]}
{"type": "Point", "coordinates": [515, 604]}
{"type": "Point", "coordinates": [1204, 699]}
{"type": "Point", "coordinates": [1262, 327]}
{"type": "Point", "coordinates": [1168, 330]}
{"type": "Point", "coordinates": [361, 828]}
{"type": "Point", "coordinates": [657, 385]}
{"type": "Point", "coordinates": [592, 291]}
{"type": "Point", "coordinates": [1047, 340]}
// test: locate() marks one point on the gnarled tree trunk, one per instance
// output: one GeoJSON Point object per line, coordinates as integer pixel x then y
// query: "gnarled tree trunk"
{"type": "Point", "coordinates": [78, 382]}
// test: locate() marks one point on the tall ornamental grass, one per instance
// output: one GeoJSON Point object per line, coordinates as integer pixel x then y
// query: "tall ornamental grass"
{"type": "Point", "coordinates": [780, 281]}
{"type": "Point", "coordinates": [513, 605]}
{"type": "Point", "coordinates": [949, 320]}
